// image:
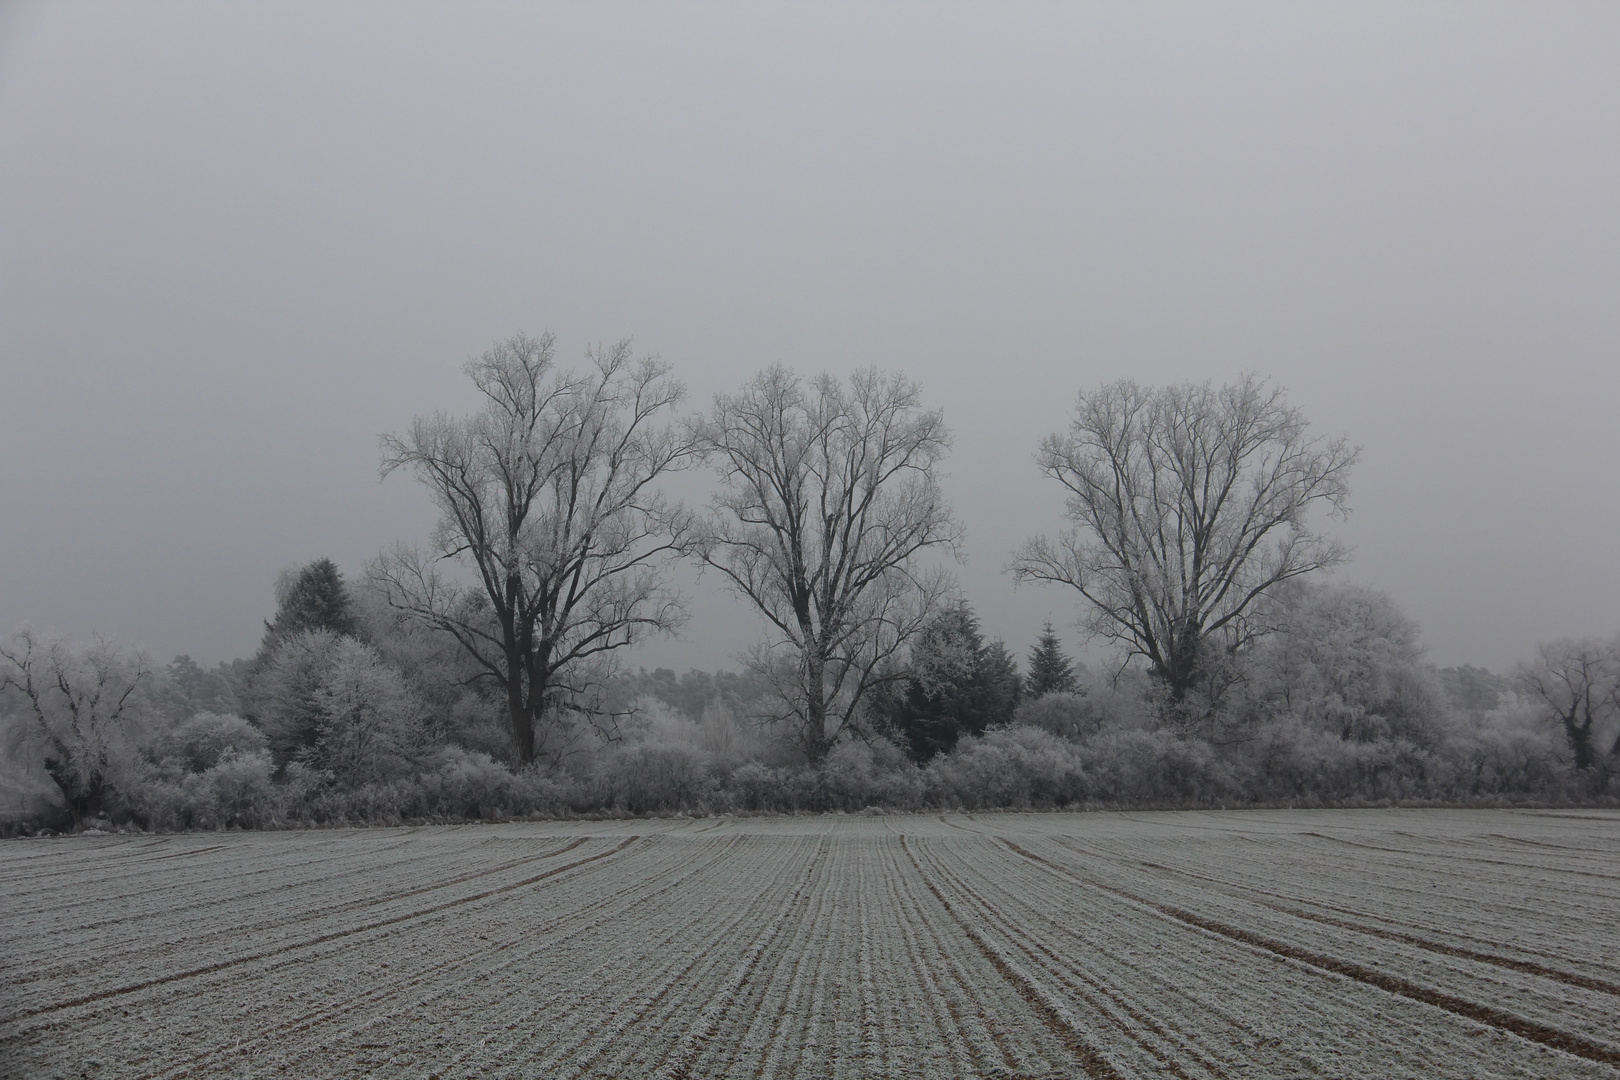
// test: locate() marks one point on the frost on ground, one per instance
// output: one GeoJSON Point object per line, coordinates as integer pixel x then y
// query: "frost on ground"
{"type": "Point", "coordinates": [1374, 943]}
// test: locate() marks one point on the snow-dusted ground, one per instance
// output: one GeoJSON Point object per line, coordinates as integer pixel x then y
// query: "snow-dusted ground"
{"type": "Point", "coordinates": [1373, 943]}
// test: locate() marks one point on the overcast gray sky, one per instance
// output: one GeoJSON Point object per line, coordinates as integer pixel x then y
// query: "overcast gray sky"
{"type": "Point", "coordinates": [239, 241]}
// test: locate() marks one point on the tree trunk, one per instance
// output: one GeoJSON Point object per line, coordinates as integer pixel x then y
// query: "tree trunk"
{"type": "Point", "coordinates": [1181, 666]}
{"type": "Point", "coordinates": [1580, 740]}
{"type": "Point", "coordinates": [815, 710]}
{"type": "Point", "coordinates": [522, 720]}
{"type": "Point", "coordinates": [83, 800]}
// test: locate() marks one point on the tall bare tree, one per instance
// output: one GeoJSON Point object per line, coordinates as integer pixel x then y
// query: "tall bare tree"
{"type": "Point", "coordinates": [1189, 504]}
{"type": "Point", "coordinates": [82, 708]}
{"type": "Point", "coordinates": [1578, 684]}
{"type": "Point", "coordinates": [829, 496]}
{"type": "Point", "coordinates": [548, 504]}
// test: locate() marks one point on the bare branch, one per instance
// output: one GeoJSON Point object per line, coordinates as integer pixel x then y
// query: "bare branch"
{"type": "Point", "coordinates": [1190, 505]}
{"type": "Point", "coordinates": [548, 505]}
{"type": "Point", "coordinates": [829, 497]}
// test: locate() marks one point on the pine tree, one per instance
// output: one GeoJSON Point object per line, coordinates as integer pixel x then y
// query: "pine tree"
{"type": "Point", "coordinates": [958, 685]}
{"type": "Point", "coordinates": [1049, 670]}
{"type": "Point", "coordinates": [314, 598]}
{"type": "Point", "coordinates": [999, 686]}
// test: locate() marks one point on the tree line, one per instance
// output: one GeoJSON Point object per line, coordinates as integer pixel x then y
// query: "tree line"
{"type": "Point", "coordinates": [488, 654]}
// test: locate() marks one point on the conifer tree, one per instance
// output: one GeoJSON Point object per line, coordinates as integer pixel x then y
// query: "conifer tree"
{"type": "Point", "coordinates": [313, 598]}
{"type": "Point", "coordinates": [958, 684]}
{"type": "Point", "coordinates": [1049, 670]}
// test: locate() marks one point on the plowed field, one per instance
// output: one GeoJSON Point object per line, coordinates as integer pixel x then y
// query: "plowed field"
{"type": "Point", "coordinates": [1357, 944]}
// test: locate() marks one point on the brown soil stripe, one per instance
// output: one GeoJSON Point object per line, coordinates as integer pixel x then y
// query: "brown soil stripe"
{"type": "Point", "coordinates": [1076, 982]}
{"type": "Point", "coordinates": [321, 940]}
{"type": "Point", "coordinates": [327, 1014]}
{"type": "Point", "coordinates": [180, 854]}
{"type": "Point", "coordinates": [458, 879]}
{"type": "Point", "coordinates": [1567, 977]}
{"type": "Point", "coordinates": [1542, 844]}
{"type": "Point", "coordinates": [1097, 1067]}
{"type": "Point", "coordinates": [681, 1060]}
{"type": "Point", "coordinates": [356, 905]}
{"type": "Point", "coordinates": [1529, 967]}
{"type": "Point", "coordinates": [1526, 1029]}
{"type": "Point", "coordinates": [1529, 868]}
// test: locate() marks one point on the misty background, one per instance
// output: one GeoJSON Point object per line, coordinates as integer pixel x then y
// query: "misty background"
{"type": "Point", "coordinates": [237, 243]}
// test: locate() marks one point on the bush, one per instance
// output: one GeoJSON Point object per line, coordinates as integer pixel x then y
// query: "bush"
{"type": "Point", "coordinates": [456, 785]}
{"type": "Point", "coordinates": [1068, 716]}
{"type": "Point", "coordinates": [330, 703]}
{"type": "Point", "coordinates": [1013, 767]}
{"type": "Point", "coordinates": [206, 739]}
{"type": "Point", "coordinates": [856, 775]}
{"type": "Point", "coordinates": [757, 786]}
{"type": "Point", "coordinates": [1510, 754]}
{"type": "Point", "coordinates": [1300, 763]}
{"type": "Point", "coordinates": [218, 771]}
{"type": "Point", "coordinates": [1157, 768]}
{"type": "Point", "coordinates": [650, 777]}
{"type": "Point", "coordinates": [235, 791]}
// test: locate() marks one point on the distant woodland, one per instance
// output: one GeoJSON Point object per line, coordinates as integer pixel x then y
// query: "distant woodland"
{"type": "Point", "coordinates": [478, 674]}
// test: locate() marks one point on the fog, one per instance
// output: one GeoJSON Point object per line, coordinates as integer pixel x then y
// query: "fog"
{"type": "Point", "coordinates": [237, 243]}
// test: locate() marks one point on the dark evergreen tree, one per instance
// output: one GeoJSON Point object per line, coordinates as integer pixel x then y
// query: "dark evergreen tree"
{"type": "Point", "coordinates": [957, 685]}
{"type": "Point", "coordinates": [1049, 670]}
{"type": "Point", "coordinates": [312, 598]}
{"type": "Point", "coordinates": [1000, 687]}
{"type": "Point", "coordinates": [315, 598]}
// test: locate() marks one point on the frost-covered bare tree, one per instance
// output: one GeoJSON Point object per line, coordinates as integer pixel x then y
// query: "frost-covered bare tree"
{"type": "Point", "coordinates": [829, 496]}
{"type": "Point", "coordinates": [82, 708]}
{"type": "Point", "coordinates": [1577, 683]}
{"type": "Point", "coordinates": [1348, 660]}
{"type": "Point", "coordinates": [1189, 504]}
{"type": "Point", "coordinates": [331, 702]}
{"type": "Point", "coordinates": [548, 502]}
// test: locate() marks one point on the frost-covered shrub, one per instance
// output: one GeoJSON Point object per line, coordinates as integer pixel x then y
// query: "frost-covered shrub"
{"type": "Point", "coordinates": [856, 775]}
{"type": "Point", "coordinates": [237, 792]}
{"type": "Point", "coordinates": [1156, 768]}
{"type": "Point", "coordinates": [645, 777]}
{"type": "Point", "coordinates": [330, 703]}
{"type": "Point", "coordinates": [1068, 716]}
{"type": "Point", "coordinates": [1510, 754]}
{"type": "Point", "coordinates": [81, 716]}
{"type": "Point", "coordinates": [31, 802]}
{"type": "Point", "coordinates": [1014, 767]}
{"type": "Point", "coordinates": [284, 701]}
{"type": "Point", "coordinates": [369, 726]}
{"type": "Point", "coordinates": [204, 740]}
{"type": "Point", "coordinates": [757, 786]}
{"type": "Point", "coordinates": [209, 771]}
{"type": "Point", "coordinates": [1347, 661]}
{"type": "Point", "coordinates": [234, 792]}
{"type": "Point", "coordinates": [454, 785]}
{"type": "Point", "coordinates": [468, 784]}
{"type": "Point", "coordinates": [656, 764]}
{"type": "Point", "coordinates": [729, 740]}
{"type": "Point", "coordinates": [1302, 763]}
{"type": "Point", "coordinates": [323, 802]}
